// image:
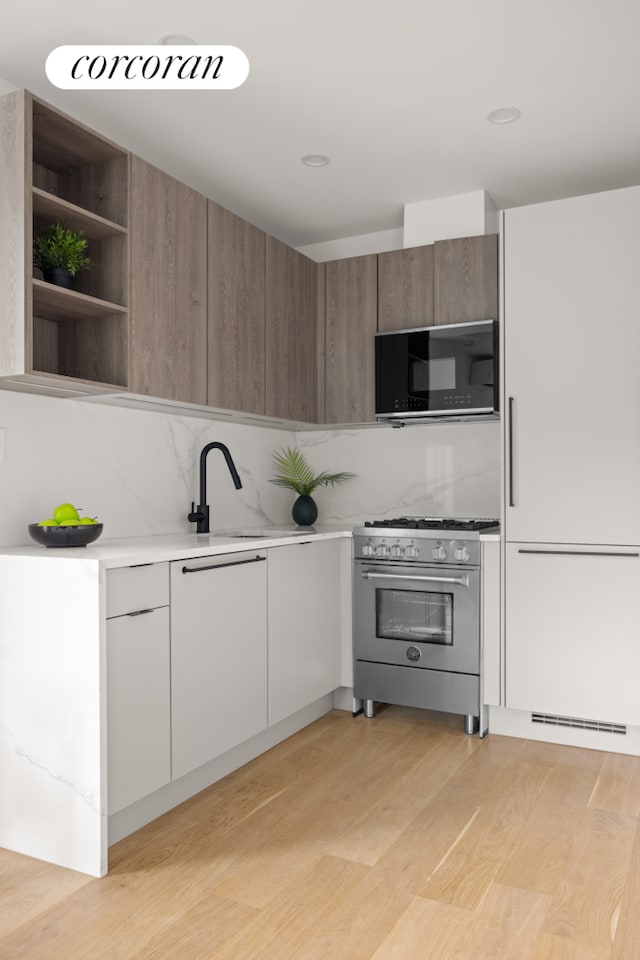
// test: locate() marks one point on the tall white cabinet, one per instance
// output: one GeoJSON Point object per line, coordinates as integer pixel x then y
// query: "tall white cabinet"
{"type": "Point", "coordinates": [571, 319]}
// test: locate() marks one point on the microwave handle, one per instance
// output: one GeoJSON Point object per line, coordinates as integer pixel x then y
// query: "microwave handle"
{"type": "Point", "coordinates": [512, 501]}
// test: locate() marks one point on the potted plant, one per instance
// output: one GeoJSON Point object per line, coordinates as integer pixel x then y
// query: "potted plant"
{"type": "Point", "coordinates": [293, 471]}
{"type": "Point", "coordinates": [60, 252]}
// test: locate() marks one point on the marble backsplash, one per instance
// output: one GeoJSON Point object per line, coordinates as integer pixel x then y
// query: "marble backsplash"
{"type": "Point", "coordinates": [138, 470]}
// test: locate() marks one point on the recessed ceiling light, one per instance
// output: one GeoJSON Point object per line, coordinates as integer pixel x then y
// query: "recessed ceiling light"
{"type": "Point", "coordinates": [503, 115]}
{"type": "Point", "coordinates": [178, 40]}
{"type": "Point", "coordinates": [315, 160]}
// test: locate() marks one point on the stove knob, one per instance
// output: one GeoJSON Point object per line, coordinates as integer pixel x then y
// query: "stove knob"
{"type": "Point", "coordinates": [461, 553]}
{"type": "Point", "coordinates": [397, 551]}
{"type": "Point", "coordinates": [438, 552]}
{"type": "Point", "coordinates": [368, 550]}
{"type": "Point", "coordinates": [382, 550]}
{"type": "Point", "coordinates": [411, 552]}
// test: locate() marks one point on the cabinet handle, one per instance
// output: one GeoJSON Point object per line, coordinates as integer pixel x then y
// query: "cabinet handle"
{"type": "Point", "coordinates": [581, 553]}
{"type": "Point", "coordinates": [138, 613]}
{"type": "Point", "coordinates": [219, 566]}
{"type": "Point", "coordinates": [512, 502]}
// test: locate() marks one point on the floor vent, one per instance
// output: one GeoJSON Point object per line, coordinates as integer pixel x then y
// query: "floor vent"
{"type": "Point", "coordinates": [600, 726]}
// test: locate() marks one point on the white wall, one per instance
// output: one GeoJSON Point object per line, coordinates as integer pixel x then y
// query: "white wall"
{"type": "Point", "coordinates": [138, 470]}
{"type": "Point", "coordinates": [425, 221]}
{"type": "Point", "coordinates": [463, 215]}
{"type": "Point", "coordinates": [354, 246]}
{"type": "Point", "coordinates": [435, 469]}
{"type": "Point", "coordinates": [6, 87]}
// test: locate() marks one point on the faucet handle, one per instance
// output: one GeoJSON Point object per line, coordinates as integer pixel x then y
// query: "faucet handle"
{"type": "Point", "coordinates": [195, 515]}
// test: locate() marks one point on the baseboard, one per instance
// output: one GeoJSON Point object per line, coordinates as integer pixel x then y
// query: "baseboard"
{"type": "Point", "coordinates": [343, 699]}
{"type": "Point", "coordinates": [520, 723]}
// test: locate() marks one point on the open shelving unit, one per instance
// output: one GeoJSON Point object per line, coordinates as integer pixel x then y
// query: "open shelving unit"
{"type": "Point", "coordinates": [81, 179]}
{"type": "Point", "coordinates": [53, 168]}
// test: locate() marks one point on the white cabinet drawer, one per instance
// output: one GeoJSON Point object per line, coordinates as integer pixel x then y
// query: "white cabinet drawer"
{"type": "Point", "coordinates": [137, 588]}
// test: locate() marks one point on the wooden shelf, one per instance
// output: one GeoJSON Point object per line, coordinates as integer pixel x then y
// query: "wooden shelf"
{"type": "Point", "coordinates": [55, 208]}
{"type": "Point", "coordinates": [52, 382]}
{"type": "Point", "coordinates": [57, 303]}
{"type": "Point", "coordinates": [62, 143]}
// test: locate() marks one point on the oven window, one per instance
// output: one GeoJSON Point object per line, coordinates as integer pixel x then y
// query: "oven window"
{"type": "Point", "coordinates": [414, 615]}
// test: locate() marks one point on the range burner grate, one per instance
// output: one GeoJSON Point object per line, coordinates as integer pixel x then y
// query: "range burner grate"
{"type": "Point", "coordinates": [434, 523]}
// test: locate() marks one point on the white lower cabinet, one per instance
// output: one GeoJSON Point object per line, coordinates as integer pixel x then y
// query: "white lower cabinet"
{"type": "Point", "coordinates": [218, 655]}
{"type": "Point", "coordinates": [304, 624]}
{"type": "Point", "coordinates": [245, 643]}
{"type": "Point", "coordinates": [138, 684]}
{"type": "Point", "coordinates": [572, 643]}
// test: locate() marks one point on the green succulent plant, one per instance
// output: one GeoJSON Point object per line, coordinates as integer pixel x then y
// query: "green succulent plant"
{"type": "Point", "coordinates": [60, 246]}
{"type": "Point", "coordinates": [293, 471]}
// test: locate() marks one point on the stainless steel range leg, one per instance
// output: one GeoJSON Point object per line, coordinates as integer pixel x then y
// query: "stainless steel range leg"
{"type": "Point", "coordinates": [470, 724]}
{"type": "Point", "coordinates": [369, 708]}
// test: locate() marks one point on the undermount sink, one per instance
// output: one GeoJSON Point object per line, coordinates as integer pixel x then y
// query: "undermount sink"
{"type": "Point", "coordinates": [264, 534]}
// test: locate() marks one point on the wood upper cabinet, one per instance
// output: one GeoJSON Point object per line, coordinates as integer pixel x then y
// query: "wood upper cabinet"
{"type": "Point", "coordinates": [449, 281]}
{"type": "Point", "coordinates": [70, 340]}
{"type": "Point", "coordinates": [168, 287]}
{"type": "Point", "coordinates": [291, 333]}
{"type": "Point", "coordinates": [351, 309]}
{"type": "Point", "coordinates": [236, 308]}
{"type": "Point", "coordinates": [405, 288]}
{"type": "Point", "coordinates": [466, 279]}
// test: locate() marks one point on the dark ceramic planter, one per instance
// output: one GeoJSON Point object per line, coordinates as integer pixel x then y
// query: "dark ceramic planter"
{"type": "Point", "coordinates": [58, 275]}
{"type": "Point", "coordinates": [305, 511]}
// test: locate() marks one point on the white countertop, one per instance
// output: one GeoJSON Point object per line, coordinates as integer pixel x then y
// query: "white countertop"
{"type": "Point", "coordinates": [129, 551]}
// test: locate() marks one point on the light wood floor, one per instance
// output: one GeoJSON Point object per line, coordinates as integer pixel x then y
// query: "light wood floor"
{"type": "Point", "coordinates": [398, 838]}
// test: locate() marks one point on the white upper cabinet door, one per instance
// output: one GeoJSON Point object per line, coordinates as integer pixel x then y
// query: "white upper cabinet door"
{"type": "Point", "coordinates": [572, 370]}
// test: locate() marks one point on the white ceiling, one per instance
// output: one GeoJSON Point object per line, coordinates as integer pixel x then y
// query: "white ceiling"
{"type": "Point", "coordinates": [395, 93]}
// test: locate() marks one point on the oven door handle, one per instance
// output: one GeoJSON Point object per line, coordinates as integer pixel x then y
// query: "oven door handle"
{"type": "Point", "coordinates": [460, 581]}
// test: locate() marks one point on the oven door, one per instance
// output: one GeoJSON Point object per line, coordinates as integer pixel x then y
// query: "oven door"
{"type": "Point", "coordinates": [415, 615]}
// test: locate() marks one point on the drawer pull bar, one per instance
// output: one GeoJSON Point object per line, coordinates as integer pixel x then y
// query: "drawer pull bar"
{"type": "Point", "coordinates": [581, 553]}
{"type": "Point", "coordinates": [138, 613]}
{"type": "Point", "coordinates": [219, 566]}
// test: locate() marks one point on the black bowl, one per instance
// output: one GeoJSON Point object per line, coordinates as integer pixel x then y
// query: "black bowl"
{"type": "Point", "coordinates": [72, 536]}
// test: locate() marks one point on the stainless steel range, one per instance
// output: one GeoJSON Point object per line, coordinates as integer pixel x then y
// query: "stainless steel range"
{"type": "Point", "coordinates": [417, 615]}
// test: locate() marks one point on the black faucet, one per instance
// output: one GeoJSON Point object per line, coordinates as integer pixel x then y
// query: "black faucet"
{"type": "Point", "coordinates": [201, 514]}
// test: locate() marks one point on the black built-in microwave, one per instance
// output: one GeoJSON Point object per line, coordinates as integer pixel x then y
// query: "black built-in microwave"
{"type": "Point", "coordinates": [438, 372]}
